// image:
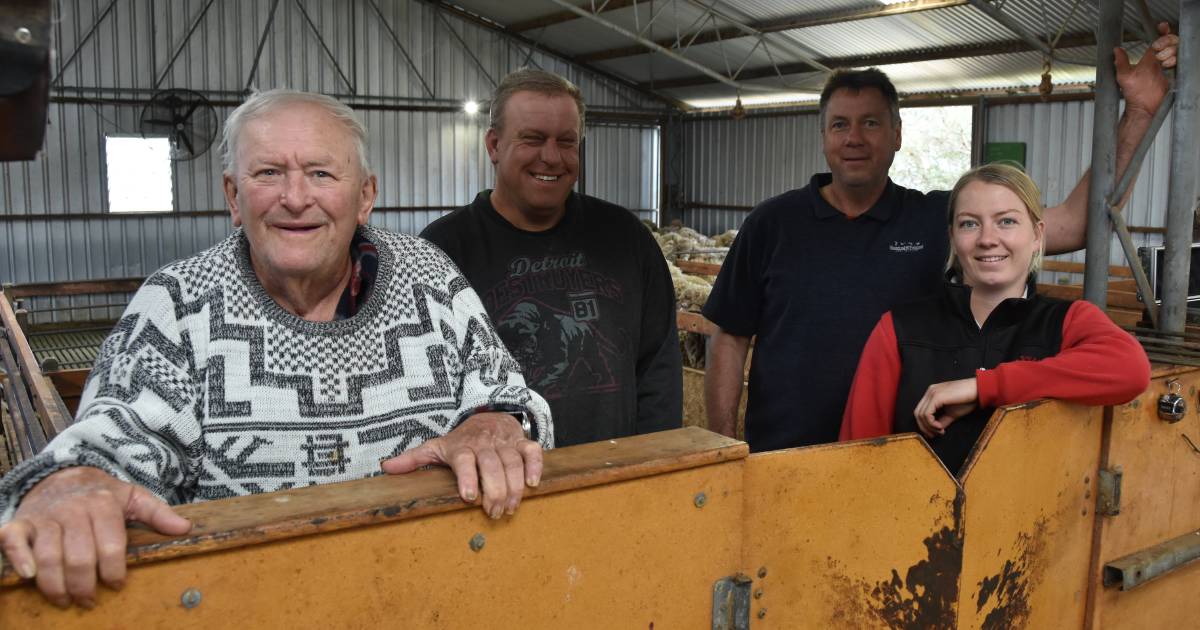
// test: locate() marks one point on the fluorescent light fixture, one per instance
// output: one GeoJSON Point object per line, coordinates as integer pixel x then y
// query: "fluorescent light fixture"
{"type": "Point", "coordinates": [770, 98]}
{"type": "Point", "coordinates": [471, 107]}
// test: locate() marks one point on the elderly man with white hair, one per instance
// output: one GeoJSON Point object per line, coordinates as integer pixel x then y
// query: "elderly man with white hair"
{"type": "Point", "coordinates": [305, 348]}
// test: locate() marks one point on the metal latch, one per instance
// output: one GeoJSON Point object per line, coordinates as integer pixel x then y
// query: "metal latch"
{"type": "Point", "coordinates": [1108, 496]}
{"type": "Point", "coordinates": [1171, 406]}
{"type": "Point", "coordinates": [731, 603]}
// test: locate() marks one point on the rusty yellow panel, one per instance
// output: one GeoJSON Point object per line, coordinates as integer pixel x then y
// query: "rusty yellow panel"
{"type": "Point", "coordinates": [1171, 601]}
{"type": "Point", "coordinates": [851, 535]}
{"type": "Point", "coordinates": [1028, 518]}
{"type": "Point", "coordinates": [1160, 500]}
{"type": "Point", "coordinates": [634, 554]}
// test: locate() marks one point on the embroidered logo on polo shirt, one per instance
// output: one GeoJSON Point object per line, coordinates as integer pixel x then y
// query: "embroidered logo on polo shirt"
{"type": "Point", "coordinates": [906, 246]}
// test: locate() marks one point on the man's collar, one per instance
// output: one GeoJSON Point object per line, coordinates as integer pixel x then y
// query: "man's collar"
{"type": "Point", "coordinates": [573, 204]}
{"type": "Point", "coordinates": [881, 211]}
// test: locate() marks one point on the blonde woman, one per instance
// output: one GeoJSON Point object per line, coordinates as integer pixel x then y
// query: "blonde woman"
{"type": "Point", "coordinates": [940, 365]}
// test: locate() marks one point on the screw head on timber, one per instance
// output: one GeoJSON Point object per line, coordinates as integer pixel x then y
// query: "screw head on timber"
{"type": "Point", "coordinates": [762, 572]}
{"type": "Point", "coordinates": [477, 542]}
{"type": "Point", "coordinates": [700, 499]}
{"type": "Point", "coordinates": [23, 35]}
{"type": "Point", "coordinates": [190, 598]}
{"type": "Point", "coordinates": [762, 612]}
{"type": "Point", "coordinates": [758, 593]}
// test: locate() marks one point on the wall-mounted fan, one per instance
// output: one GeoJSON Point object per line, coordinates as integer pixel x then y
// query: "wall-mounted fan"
{"type": "Point", "coordinates": [184, 116]}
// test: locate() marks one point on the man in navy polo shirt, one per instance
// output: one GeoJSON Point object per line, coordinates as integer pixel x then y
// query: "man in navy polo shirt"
{"type": "Point", "coordinates": [813, 269]}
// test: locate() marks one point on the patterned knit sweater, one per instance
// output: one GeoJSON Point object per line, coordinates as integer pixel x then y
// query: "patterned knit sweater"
{"type": "Point", "coordinates": [206, 388]}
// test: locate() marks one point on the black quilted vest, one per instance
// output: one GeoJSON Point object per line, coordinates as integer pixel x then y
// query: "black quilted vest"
{"type": "Point", "coordinates": [939, 341]}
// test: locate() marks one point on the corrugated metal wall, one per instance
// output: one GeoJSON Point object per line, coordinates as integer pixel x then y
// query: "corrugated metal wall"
{"type": "Point", "coordinates": [1058, 149]}
{"type": "Point", "coordinates": [54, 221]}
{"type": "Point", "coordinates": [623, 167]}
{"type": "Point", "coordinates": [732, 164]}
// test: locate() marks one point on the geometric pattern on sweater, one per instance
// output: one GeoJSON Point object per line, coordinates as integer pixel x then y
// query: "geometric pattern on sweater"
{"type": "Point", "coordinates": [206, 388]}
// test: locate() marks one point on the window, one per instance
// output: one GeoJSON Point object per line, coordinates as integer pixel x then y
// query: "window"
{"type": "Point", "coordinates": [935, 147]}
{"type": "Point", "coordinates": [139, 174]}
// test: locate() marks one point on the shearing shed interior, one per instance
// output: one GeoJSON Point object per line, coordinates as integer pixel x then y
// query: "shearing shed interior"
{"type": "Point", "coordinates": [698, 113]}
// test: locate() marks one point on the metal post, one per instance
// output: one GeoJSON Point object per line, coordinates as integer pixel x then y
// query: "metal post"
{"type": "Point", "coordinates": [979, 131]}
{"type": "Point", "coordinates": [1181, 195]}
{"type": "Point", "coordinates": [1104, 154]}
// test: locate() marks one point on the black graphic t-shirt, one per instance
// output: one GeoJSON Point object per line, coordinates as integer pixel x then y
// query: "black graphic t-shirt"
{"type": "Point", "coordinates": [586, 308]}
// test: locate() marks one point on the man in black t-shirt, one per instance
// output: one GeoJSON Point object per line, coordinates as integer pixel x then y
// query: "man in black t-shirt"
{"type": "Point", "coordinates": [813, 269]}
{"type": "Point", "coordinates": [577, 288]}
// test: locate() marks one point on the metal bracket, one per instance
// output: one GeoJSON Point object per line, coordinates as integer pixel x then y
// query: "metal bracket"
{"type": "Point", "coordinates": [731, 603]}
{"type": "Point", "coordinates": [1108, 495]}
{"type": "Point", "coordinates": [1141, 567]}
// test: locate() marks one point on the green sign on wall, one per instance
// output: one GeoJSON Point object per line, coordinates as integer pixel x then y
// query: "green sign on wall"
{"type": "Point", "coordinates": [1013, 152]}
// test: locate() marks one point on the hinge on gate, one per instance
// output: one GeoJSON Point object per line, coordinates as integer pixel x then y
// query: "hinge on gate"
{"type": "Point", "coordinates": [1108, 495]}
{"type": "Point", "coordinates": [731, 603]}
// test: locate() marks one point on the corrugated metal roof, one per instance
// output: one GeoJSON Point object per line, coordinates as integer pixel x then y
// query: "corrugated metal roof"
{"type": "Point", "coordinates": [955, 28]}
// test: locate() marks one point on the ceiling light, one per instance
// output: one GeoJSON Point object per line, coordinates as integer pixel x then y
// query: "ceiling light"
{"type": "Point", "coordinates": [471, 107]}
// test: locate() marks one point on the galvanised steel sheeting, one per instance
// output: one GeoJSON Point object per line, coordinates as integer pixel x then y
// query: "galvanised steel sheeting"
{"type": "Point", "coordinates": [740, 163]}
{"type": "Point", "coordinates": [40, 250]}
{"type": "Point", "coordinates": [421, 158]}
{"type": "Point", "coordinates": [133, 44]}
{"type": "Point", "coordinates": [743, 162]}
{"type": "Point", "coordinates": [622, 167]}
{"type": "Point", "coordinates": [1058, 139]}
{"type": "Point", "coordinates": [725, 58]}
{"type": "Point", "coordinates": [424, 158]}
{"type": "Point", "coordinates": [983, 73]}
{"type": "Point", "coordinates": [771, 9]}
{"type": "Point", "coordinates": [924, 30]}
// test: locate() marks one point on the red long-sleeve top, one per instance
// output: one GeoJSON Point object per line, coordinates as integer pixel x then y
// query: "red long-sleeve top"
{"type": "Point", "coordinates": [1098, 364]}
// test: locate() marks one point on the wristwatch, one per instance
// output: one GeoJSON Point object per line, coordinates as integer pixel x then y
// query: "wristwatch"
{"type": "Point", "coordinates": [527, 425]}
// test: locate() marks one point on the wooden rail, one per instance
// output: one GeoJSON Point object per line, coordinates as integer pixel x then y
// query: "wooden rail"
{"type": "Point", "coordinates": [36, 413]}
{"type": "Point", "coordinates": [256, 519]}
{"type": "Point", "coordinates": [702, 268]}
{"type": "Point", "coordinates": [74, 287]}
{"type": "Point", "coordinates": [1067, 266]}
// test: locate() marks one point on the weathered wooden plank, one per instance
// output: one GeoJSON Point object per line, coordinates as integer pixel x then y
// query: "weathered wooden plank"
{"type": "Point", "coordinates": [641, 553]}
{"type": "Point", "coordinates": [53, 418]}
{"type": "Point", "coordinates": [232, 523]}
{"type": "Point", "coordinates": [1067, 266]}
{"type": "Point", "coordinates": [1122, 299]}
{"type": "Point", "coordinates": [702, 268]}
{"type": "Point", "coordinates": [78, 287]}
{"type": "Point", "coordinates": [688, 321]}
